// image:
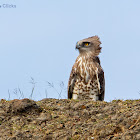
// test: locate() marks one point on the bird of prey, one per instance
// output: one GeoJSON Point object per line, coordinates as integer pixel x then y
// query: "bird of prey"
{"type": "Point", "coordinates": [86, 80]}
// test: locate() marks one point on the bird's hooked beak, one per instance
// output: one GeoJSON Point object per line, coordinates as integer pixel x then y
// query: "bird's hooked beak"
{"type": "Point", "coordinates": [77, 45]}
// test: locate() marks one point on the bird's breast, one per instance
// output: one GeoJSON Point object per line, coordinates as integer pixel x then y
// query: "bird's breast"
{"type": "Point", "coordinates": [85, 68]}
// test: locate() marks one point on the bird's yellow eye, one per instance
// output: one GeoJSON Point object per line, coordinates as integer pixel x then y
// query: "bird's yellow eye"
{"type": "Point", "coordinates": [86, 44]}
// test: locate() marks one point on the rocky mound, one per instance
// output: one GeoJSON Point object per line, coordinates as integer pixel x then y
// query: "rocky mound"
{"type": "Point", "coordinates": [53, 119]}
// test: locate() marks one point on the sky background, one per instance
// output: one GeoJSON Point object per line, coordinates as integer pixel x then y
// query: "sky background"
{"type": "Point", "coordinates": [38, 37]}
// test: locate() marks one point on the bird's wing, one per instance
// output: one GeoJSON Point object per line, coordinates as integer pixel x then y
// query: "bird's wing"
{"type": "Point", "coordinates": [102, 84]}
{"type": "Point", "coordinates": [100, 78]}
{"type": "Point", "coordinates": [71, 83]}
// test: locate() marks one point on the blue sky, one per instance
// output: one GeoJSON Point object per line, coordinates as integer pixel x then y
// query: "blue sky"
{"type": "Point", "coordinates": [37, 39]}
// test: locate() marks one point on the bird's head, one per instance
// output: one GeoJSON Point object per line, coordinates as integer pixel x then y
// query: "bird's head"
{"type": "Point", "coordinates": [89, 45]}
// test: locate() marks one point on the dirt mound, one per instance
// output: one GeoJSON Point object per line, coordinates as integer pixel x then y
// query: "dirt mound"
{"type": "Point", "coordinates": [69, 120]}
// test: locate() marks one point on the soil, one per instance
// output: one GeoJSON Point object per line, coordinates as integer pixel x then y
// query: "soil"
{"type": "Point", "coordinates": [53, 119]}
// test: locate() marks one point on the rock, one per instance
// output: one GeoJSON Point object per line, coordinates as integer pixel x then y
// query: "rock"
{"type": "Point", "coordinates": [69, 119]}
{"type": "Point", "coordinates": [21, 106]}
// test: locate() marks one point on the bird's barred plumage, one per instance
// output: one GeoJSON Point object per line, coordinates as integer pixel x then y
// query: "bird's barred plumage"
{"type": "Point", "coordinates": [87, 76]}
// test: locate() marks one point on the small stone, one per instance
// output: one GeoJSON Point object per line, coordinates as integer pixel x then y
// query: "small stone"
{"type": "Point", "coordinates": [47, 137]}
{"type": "Point", "coordinates": [29, 135]}
{"type": "Point", "coordinates": [11, 138]}
{"type": "Point", "coordinates": [114, 117]}
{"type": "Point", "coordinates": [18, 134]}
{"type": "Point", "coordinates": [138, 137]}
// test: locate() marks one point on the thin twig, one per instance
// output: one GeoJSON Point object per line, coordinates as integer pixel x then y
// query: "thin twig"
{"type": "Point", "coordinates": [9, 94]}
